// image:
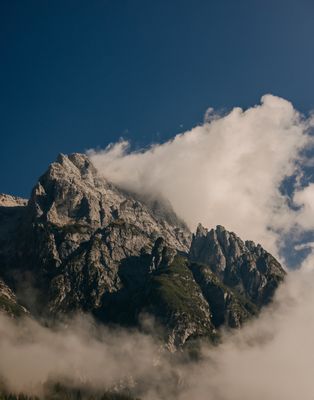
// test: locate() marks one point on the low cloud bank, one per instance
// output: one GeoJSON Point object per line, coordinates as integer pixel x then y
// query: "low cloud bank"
{"type": "Point", "coordinates": [228, 171]}
{"type": "Point", "coordinates": [271, 357]}
{"type": "Point", "coordinates": [78, 352]}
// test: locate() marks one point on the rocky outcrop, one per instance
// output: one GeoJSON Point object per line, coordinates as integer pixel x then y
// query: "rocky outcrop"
{"type": "Point", "coordinates": [162, 255]}
{"type": "Point", "coordinates": [9, 304]}
{"type": "Point", "coordinates": [243, 266]}
{"type": "Point", "coordinates": [228, 308]}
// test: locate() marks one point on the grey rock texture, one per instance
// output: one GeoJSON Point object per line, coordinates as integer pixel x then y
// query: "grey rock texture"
{"type": "Point", "coordinates": [243, 266]}
{"type": "Point", "coordinates": [80, 228]}
{"type": "Point", "coordinates": [228, 308]}
{"type": "Point", "coordinates": [8, 302]}
{"type": "Point", "coordinates": [82, 244]}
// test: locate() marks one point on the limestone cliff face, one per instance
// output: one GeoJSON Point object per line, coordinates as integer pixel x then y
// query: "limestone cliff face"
{"type": "Point", "coordinates": [83, 244]}
{"type": "Point", "coordinates": [243, 266]}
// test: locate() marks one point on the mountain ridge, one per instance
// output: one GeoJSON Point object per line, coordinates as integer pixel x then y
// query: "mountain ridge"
{"type": "Point", "coordinates": [85, 245]}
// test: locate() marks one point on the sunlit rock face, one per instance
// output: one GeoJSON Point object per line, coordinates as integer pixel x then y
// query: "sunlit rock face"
{"type": "Point", "coordinates": [83, 244]}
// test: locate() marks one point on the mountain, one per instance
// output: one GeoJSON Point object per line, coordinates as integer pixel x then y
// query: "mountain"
{"type": "Point", "coordinates": [82, 244]}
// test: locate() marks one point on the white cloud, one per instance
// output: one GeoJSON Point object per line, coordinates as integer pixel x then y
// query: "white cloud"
{"type": "Point", "coordinates": [304, 198]}
{"type": "Point", "coordinates": [227, 171]}
{"type": "Point", "coordinates": [78, 352]}
{"type": "Point", "coordinates": [303, 246]}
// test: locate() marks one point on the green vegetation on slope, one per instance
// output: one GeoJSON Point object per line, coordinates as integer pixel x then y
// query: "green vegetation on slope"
{"type": "Point", "coordinates": [175, 298]}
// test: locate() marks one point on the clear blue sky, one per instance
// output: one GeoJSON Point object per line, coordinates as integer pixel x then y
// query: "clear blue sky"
{"type": "Point", "coordinates": [80, 74]}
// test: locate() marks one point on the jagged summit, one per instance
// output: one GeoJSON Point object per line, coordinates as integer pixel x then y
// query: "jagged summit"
{"type": "Point", "coordinates": [71, 191]}
{"type": "Point", "coordinates": [244, 266]}
{"type": "Point", "coordinates": [83, 244]}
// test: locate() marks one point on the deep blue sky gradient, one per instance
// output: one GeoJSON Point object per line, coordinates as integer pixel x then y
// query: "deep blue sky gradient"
{"type": "Point", "coordinates": [80, 74]}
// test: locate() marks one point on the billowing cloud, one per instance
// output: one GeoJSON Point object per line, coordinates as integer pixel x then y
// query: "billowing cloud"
{"type": "Point", "coordinates": [304, 198]}
{"type": "Point", "coordinates": [228, 171]}
{"type": "Point", "coordinates": [78, 352]}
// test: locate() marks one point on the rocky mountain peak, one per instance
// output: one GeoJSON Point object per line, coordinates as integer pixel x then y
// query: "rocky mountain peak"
{"type": "Point", "coordinates": [7, 200]}
{"type": "Point", "coordinates": [79, 228]}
